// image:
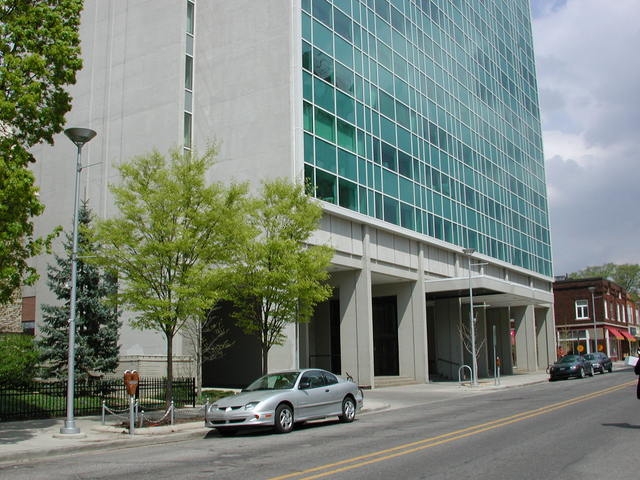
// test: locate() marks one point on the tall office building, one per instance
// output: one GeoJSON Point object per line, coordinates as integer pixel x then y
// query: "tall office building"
{"type": "Point", "coordinates": [415, 121]}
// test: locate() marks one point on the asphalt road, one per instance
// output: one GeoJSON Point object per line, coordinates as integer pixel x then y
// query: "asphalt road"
{"type": "Point", "coordinates": [569, 429]}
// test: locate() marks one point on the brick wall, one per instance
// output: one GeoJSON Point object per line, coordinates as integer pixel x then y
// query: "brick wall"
{"type": "Point", "coordinates": [11, 317]}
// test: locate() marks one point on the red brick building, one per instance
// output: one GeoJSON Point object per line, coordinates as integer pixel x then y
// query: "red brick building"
{"type": "Point", "coordinates": [595, 313]}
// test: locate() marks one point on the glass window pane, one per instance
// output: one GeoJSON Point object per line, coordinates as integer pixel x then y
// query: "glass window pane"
{"type": "Point", "coordinates": [325, 155]}
{"type": "Point", "coordinates": [345, 107]}
{"type": "Point", "coordinates": [322, 37]}
{"type": "Point", "coordinates": [190, 17]}
{"type": "Point", "coordinates": [306, 56]}
{"type": "Point", "coordinates": [404, 164]}
{"type": "Point", "coordinates": [390, 183]}
{"type": "Point", "coordinates": [187, 130]}
{"type": "Point", "coordinates": [307, 114]}
{"type": "Point", "coordinates": [346, 136]}
{"type": "Point", "coordinates": [344, 78]}
{"type": "Point", "coordinates": [342, 24]}
{"type": "Point", "coordinates": [322, 65]}
{"type": "Point", "coordinates": [347, 165]}
{"type": "Point", "coordinates": [344, 51]}
{"type": "Point", "coordinates": [308, 149]}
{"type": "Point", "coordinates": [326, 186]}
{"type": "Point", "coordinates": [325, 125]}
{"type": "Point", "coordinates": [306, 27]}
{"type": "Point", "coordinates": [391, 210]}
{"type": "Point", "coordinates": [348, 194]}
{"type": "Point", "coordinates": [406, 216]}
{"type": "Point", "coordinates": [307, 86]}
{"type": "Point", "coordinates": [323, 95]}
{"type": "Point", "coordinates": [389, 157]}
{"type": "Point", "coordinates": [188, 72]}
{"type": "Point", "coordinates": [322, 11]}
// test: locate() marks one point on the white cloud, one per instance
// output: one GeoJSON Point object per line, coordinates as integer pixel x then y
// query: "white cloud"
{"type": "Point", "coordinates": [588, 77]}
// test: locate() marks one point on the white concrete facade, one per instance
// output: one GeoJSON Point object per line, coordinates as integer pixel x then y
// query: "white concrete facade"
{"type": "Point", "coordinates": [247, 97]}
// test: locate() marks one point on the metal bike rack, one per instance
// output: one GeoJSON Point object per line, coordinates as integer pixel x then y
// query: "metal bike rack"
{"type": "Point", "coordinates": [460, 371]}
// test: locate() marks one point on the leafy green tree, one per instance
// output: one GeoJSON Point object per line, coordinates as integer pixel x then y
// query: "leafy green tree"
{"type": "Point", "coordinates": [172, 230]}
{"type": "Point", "coordinates": [18, 205]}
{"type": "Point", "coordinates": [626, 275]}
{"type": "Point", "coordinates": [97, 319]}
{"type": "Point", "coordinates": [19, 359]}
{"type": "Point", "coordinates": [278, 278]}
{"type": "Point", "coordinates": [39, 57]}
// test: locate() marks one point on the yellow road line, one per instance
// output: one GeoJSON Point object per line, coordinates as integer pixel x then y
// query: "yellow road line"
{"type": "Point", "coordinates": [407, 448]}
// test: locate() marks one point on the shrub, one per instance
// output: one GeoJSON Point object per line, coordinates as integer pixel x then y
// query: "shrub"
{"type": "Point", "coordinates": [18, 359]}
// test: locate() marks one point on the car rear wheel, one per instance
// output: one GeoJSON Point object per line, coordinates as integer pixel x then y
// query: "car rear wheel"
{"type": "Point", "coordinates": [284, 419]}
{"type": "Point", "coordinates": [348, 410]}
{"type": "Point", "coordinates": [610, 369]}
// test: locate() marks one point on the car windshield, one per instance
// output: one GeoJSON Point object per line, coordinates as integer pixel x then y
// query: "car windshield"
{"type": "Point", "coordinates": [570, 359]}
{"type": "Point", "coordinates": [591, 356]}
{"type": "Point", "coordinates": [274, 381]}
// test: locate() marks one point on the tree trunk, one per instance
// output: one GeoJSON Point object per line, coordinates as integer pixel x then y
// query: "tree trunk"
{"type": "Point", "coordinates": [198, 354]}
{"type": "Point", "coordinates": [169, 390]}
{"type": "Point", "coordinates": [265, 359]}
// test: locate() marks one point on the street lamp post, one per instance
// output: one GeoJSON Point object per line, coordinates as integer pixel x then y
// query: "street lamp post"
{"type": "Point", "coordinates": [79, 136]}
{"type": "Point", "coordinates": [592, 289]}
{"type": "Point", "coordinates": [474, 363]}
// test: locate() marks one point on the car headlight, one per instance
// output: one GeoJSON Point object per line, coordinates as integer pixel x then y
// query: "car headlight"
{"type": "Point", "coordinates": [250, 405]}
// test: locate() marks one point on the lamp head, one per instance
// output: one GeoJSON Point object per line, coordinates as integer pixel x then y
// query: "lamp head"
{"type": "Point", "coordinates": [79, 135]}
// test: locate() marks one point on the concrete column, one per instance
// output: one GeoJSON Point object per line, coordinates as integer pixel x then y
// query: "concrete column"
{"type": "Point", "coordinates": [526, 354]}
{"type": "Point", "coordinates": [356, 327]}
{"type": "Point", "coordinates": [356, 320]}
{"type": "Point", "coordinates": [546, 342]}
{"type": "Point", "coordinates": [482, 342]}
{"type": "Point", "coordinates": [448, 353]}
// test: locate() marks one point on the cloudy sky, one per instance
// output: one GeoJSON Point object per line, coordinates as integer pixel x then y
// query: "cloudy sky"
{"type": "Point", "coordinates": [588, 69]}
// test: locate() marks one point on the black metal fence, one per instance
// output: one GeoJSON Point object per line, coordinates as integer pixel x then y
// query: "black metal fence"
{"type": "Point", "coordinates": [49, 399]}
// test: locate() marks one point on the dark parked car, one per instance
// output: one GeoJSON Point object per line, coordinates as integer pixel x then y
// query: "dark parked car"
{"type": "Point", "coordinates": [600, 362]}
{"type": "Point", "coordinates": [570, 366]}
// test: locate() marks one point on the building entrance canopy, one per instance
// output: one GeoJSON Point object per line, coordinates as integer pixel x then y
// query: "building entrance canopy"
{"type": "Point", "coordinates": [489, 290]}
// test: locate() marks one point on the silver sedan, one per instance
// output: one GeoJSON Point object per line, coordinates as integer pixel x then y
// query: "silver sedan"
{"type": "Point", "coordinates": [282, 399]}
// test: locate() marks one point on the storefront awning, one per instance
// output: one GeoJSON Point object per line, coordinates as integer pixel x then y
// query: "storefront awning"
{"type": "Point", "coordinates": [615, 332]}
{"type": "Point", "coordinates": [627, 335]}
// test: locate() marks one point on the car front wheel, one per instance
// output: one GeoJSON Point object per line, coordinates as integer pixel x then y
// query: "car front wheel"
{"type": "Point", "coordinates": [348, 410]}
{"type": "Point", "coordinates": [284, 419]}
{"type": "Point", "coordinates": [581, 373]}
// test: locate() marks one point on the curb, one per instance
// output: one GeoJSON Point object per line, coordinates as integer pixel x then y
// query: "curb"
{"type": "Point", "coordinates": [90, 444]}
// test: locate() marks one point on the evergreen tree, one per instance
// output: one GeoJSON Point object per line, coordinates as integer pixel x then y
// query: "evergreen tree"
{"type": "Point", "coordinates": [97, 320]}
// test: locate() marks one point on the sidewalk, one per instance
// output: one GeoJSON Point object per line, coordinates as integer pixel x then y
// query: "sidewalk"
{"type": "Point", "coordinates": [34, 439]}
